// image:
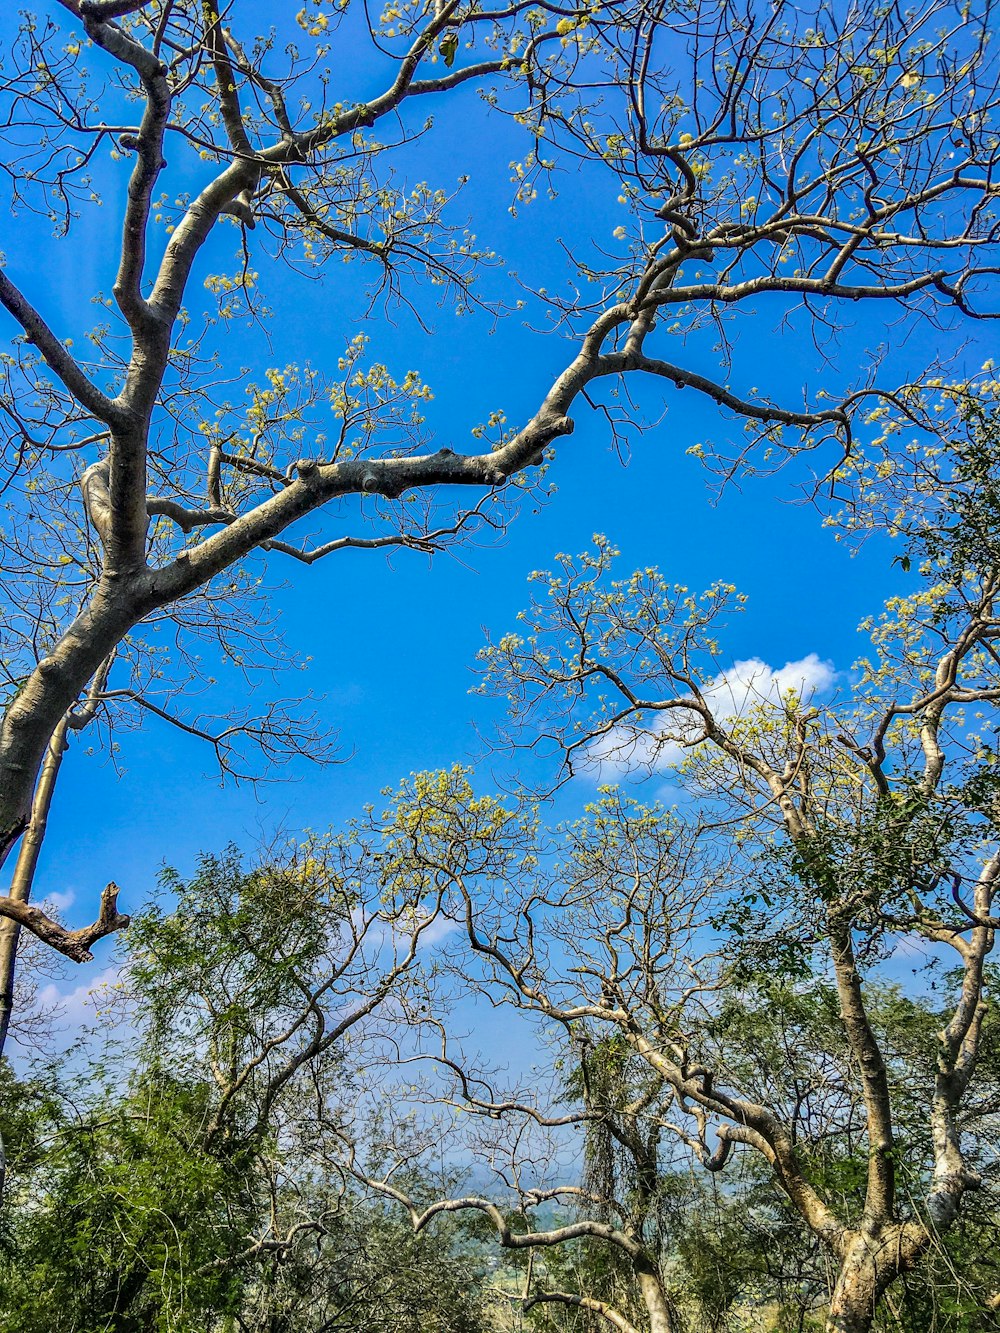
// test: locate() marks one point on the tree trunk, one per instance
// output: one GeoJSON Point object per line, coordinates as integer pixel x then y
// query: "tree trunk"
{"type": "Point", "coordinates": [34, 714]}
{"type": "Point", "coordinates": [24, 872]}
{"type": "Point", "coordinates": [856, 1293]}
{"type": "Point", "coordinates": [870, 1261]}
{"type": "Point", "coordinates": [654, 1297]}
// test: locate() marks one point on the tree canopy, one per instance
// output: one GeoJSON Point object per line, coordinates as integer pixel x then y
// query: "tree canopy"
{"type": "Point", "coordinates": [812, 161]}
{"type": "Point", "coordinates": [737, 920]}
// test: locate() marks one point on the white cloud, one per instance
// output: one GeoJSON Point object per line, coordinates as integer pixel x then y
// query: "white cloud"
{"type": "Point", "coordinates": [732, 693]}
{"type": "Point", "coordinates": [73, 1009]}
{"type": "Point", "coordinates": [59, 902]}
{"type": "Point", "coordinates": [439, 929]}
{"type": "Point", "coordinates": [754, 682]}
{"type": "Point", "coordinates": [396, 935]}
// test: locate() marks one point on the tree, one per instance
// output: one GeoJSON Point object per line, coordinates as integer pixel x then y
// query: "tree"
{"type": "Point", "coordinates": [534, 929]}
{"type": "Point", "coordinates": [125, 1217]}
{"type": "Point", "coordinates": [762, 155]}
{"type": "Point", "coordinates": [814, 838]}
{"type": "Point", "coordinates": [187, 1170]}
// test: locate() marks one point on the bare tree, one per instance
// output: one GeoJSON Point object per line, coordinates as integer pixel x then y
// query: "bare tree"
{"type": "Point", "coordinates": [762, 154]}
{"type": "Point", "coordinates": [527, 1137]}
{"type": "Point", "coordinates": [879, 841]}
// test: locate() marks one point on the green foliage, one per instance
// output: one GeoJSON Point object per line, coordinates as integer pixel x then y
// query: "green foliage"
{"type": "Point", "coordinates": [192, 1185]}
{"type": "Point", "coordinates": [121, 1215]}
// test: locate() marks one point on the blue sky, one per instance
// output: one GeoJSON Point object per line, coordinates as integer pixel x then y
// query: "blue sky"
{"type": "Point", "coordinates": [393, 642]}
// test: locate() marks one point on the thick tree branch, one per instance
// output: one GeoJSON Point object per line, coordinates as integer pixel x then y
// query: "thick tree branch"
{"type": "Point", "coordinates": [72, 944]}
{"type": "Point", "coordinates": [590, 1303]}
{"type": "Point", "coordinates": [56, 354]}
{"type": "Point", "coordinates": [880, 1198]}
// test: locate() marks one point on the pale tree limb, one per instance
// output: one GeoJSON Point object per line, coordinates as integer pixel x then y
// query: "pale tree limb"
{"type": "Point", "coordinates": [589, 1303]}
